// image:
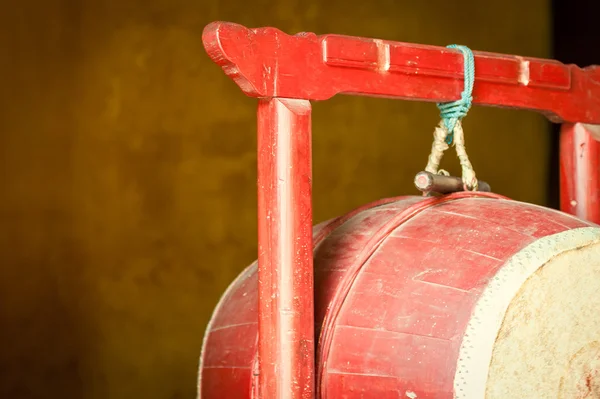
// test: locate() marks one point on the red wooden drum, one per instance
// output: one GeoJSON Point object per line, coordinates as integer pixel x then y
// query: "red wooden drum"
{"type": "Point", "coordinates": [465, 296]}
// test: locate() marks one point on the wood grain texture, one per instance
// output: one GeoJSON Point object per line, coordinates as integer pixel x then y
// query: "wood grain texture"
{"type": "Point", "coordinates": [285, 267]}
{"type": "Point", "coordinates": [266, 62]}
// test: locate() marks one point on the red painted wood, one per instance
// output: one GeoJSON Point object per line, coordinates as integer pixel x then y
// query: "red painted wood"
{"type": "Point", "coordinates": [266, 62]}
{"type": "Point", "coordinates": [579, 172]}
{"type": "Point", "coordinates": [395, 285]}
{"type": "Point", "coordinates": [286, 357]}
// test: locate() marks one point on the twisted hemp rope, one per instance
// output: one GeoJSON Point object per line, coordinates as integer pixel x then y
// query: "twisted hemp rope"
{"type": "Point", "coordinates": [450, 131]}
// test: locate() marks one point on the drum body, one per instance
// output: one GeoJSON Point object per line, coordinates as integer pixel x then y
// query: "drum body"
{"type": "Point", "coordinates": [464, 296]}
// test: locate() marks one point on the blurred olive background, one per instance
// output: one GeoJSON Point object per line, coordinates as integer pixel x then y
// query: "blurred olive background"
{"type": "Point", "coordinates": [127, 171]}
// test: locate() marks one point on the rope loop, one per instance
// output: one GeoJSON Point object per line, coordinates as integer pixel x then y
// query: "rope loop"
{"type": "Point", "coordinates": [454, 111]}
{"type": "Point", "coordinates": [450, 132]}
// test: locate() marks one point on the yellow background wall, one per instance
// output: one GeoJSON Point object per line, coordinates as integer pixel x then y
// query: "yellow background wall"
{"type": "Point", "coordinates": [127, 171]}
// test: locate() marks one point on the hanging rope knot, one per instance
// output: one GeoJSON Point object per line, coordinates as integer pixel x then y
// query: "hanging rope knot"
{"type": "Point", "coordinates": [454, 111]}
{"type": "Point", "coordinates": [450, 131]}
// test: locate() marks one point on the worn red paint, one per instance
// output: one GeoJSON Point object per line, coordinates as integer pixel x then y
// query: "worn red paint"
{"type": "Point", "coordinates": [266, 62]}
{"type": "Point", "coordinates": [285, 250]}
{"type": "Point", "coordinates": [285, 72]}
{"type": "Point", "coordinates": [579, 172]}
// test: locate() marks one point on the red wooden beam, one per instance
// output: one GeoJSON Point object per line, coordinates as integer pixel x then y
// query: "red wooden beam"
{"type": "Point", "coordinates": [579, 171]}
{"type": "Point", "coordinates": [266, 62]}
{"type": "Point", "coordinates": [285, 258]}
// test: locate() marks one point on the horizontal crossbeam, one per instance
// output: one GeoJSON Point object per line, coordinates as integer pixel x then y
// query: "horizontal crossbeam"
{"type": "Point", "coordinates": [266, 63]}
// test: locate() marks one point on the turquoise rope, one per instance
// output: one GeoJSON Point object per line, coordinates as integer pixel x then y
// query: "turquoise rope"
{"type": "Point", "coordinates": [454, 111]}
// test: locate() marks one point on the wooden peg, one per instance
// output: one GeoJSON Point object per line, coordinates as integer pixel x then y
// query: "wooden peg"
{"type": "Point", "coordinates": [427, 182]}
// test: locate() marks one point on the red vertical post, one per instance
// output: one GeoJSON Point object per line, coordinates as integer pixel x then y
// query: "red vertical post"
{"type": "Point", "coordinates": [285, 259]}
{"type": "Point", "coordinates": [579, 172]}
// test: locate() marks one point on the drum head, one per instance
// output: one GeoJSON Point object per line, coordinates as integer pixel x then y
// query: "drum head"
{"type": "Point", "coordinates": [536, 330]}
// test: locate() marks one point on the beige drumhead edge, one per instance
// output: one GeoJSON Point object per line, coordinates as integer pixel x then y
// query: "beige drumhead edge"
{"type": "Point", "coordinates": [535, 331]}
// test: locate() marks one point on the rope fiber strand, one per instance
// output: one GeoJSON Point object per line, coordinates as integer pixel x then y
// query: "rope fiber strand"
{"type": "Point", "coordinates": [450, 132]}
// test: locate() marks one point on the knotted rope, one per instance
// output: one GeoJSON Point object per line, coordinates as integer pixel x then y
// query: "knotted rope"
{"type": "Point", "coordinates": [450, 131]}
